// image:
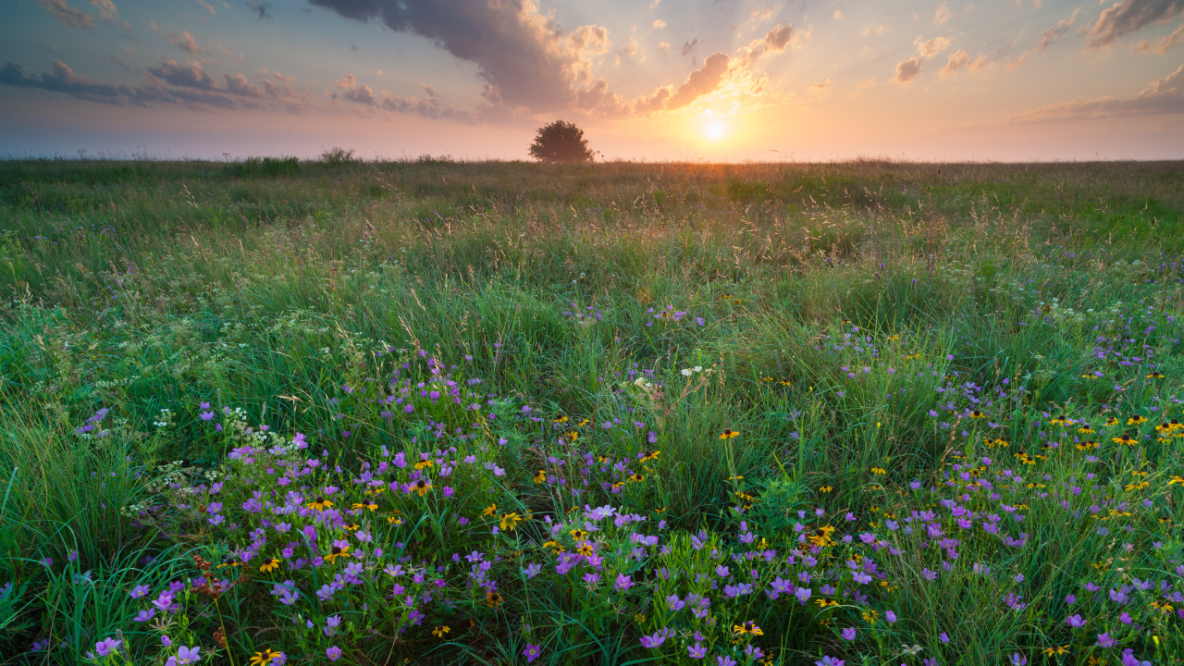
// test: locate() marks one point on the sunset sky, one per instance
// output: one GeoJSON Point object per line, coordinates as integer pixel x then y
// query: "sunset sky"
{"type": "Point", "coordinates": [646, 79]}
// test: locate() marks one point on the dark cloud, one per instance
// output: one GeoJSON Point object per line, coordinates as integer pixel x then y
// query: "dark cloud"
{"type": "Point", "coordinates": [66, 14]}
{"type": "Point", "coordinates": [261, 8]}
{"type": "Point", "coordinates": [520, 53]}
{"type": "Point", "coordinates": [61, 79]}
{"type": "Point", "coordinates": [190, 75]}
{"type": "Point", "coordinates": [1162, 97]}
{"type": "Point", "coordinates": [529, 64]}
{"type": "Point", "coordinates": [1129, 16]}
{"type": "Point", "coordinates": [167, 84]}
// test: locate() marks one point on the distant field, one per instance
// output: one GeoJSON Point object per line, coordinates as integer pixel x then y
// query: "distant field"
{"type": "Point", "coordinates": [865, 412]}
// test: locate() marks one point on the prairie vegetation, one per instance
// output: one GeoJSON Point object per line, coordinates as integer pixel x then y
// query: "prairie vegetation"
{"type": "Point", "coordinates": [876, 413]}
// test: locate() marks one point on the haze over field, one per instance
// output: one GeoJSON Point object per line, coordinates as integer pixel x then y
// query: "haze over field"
{"type": "Point", "coordinates": [657, 80]}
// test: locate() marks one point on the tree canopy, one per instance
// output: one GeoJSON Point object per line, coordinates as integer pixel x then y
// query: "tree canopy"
{"type": "Point", "coordinates": [561, 141]}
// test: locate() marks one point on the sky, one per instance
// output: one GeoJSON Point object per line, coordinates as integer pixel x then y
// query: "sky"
{"type": "Point", "coordinates": [653, 80]}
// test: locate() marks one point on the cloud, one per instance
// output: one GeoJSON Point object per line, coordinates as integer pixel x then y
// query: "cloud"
{"type": "Point", "coordinates": [208, 6]}
{"type": "Point", "coordinates": [261, 8]}
{"type": "Point", "coordinates": [942, 15]}
{"type": "Point", "coordinates": [688, 47]}
{"type": "Point", "coordinates": [239, 85]}
{"type": "Point", "coordinates": [838, 14]}
{"type": "Point", "coordinates": [907, 70]}
{"type": "Point", "coordinates": [879, 30]}
{"type": "Point", "coordinates": [960, 60]}
{"type": "Point", "coordinates": [66, 14]}
{"type": "Point", "coordinates": [1163, 44]}
{"type": "Point", "coordinates": [168, 84]}
{"type": "Point", "coordinates": [659, 23]}
{"type": "Point", "coordinates": [183, 41]}
{"type": "Point", "coordinates": [521, 54]}
{"type": "Point", "coordinates": [1051, 35]}
{"type": "Point", "coordinates": [109, 13]}
{"type": "Point", "coordinates": [910, 68]}
{"type": "Point", "coordinates": [663, 47]}
{"type": "Point", "coordinates": [61, 79]}
{"type": "Point", "coordinates": [591, 39]}
{"type": "Point", "coordinates": [701, 81]}
{"type": "Point", "coordinates": [1162, 97]}
{"type": "Point", "coordinates": [865, 84]}
{"type": "Point", "coordinates": [928, 49]}
{"type": "Point", "coordinates": [1129, 16]}
{"type": "Point", "coordinates": [774, 41]}
{"type": "Point", "coordinates": [190, 75]}
{"type": "Point", "coordinates": [821, 87]}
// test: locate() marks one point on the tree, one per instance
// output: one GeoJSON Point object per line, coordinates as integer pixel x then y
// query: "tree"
{"type": "Point", "coordinates": [561, 141]}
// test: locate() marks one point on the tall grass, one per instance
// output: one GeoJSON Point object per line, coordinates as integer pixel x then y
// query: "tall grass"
{"type": "Point", "coordinates": [845, 318]}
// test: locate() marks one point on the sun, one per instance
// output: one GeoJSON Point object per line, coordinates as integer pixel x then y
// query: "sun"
{"type": "Point", "coordinates": [715, 130]}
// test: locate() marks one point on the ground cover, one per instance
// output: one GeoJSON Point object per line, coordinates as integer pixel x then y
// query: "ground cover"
{"type": "Point", "coordinates": [313, 412]}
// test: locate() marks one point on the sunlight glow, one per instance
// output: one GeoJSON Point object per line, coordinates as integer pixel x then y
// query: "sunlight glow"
{"type": "Point", "coordinates": [715, 130]}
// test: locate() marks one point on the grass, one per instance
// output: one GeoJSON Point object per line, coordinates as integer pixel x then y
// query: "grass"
{"type": "Point", "coordinates": [411, 384]}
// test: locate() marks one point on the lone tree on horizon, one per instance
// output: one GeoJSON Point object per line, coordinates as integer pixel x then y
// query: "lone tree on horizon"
{"type": "Point", "coordinates": [561, 141]}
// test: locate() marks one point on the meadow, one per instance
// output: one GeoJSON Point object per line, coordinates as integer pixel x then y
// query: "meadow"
{"type": "Point", "coordinates": [426, 411]}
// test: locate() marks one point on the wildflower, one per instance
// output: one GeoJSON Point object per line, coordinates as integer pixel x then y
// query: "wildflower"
{"type": "Point", "coordinates": [649, 455]}
{"type": "Point", "coordinates": [1125, 439]}
{"type": "Point", "coordinates": [540, 476]}
{"type": "Point", "coordinates": [106, 646]}
{"type": "Point", "coordinates": [830, 661]}
{"type": "Point", "coordinates": [880, 471]}
{"type": "Point", "coordinates": [366, 505]}
{"type": "Point", "coordinates": [1176, 480]}
{"type": "Point", "coordinates": [421, 487]}
{"type": "Point", "coordinates": [848, 634]}
{"type": "Point", "coordinates": [270, 564]}
{"type": "Point", "coordinates": [333, 653]}
{"type": "Point", "coordinates": [696, 651]}
{"type": "Point", "coordinates": [637, 478]}
{"type": "Point", "coordinates": [871, 616]}
{"type": "Point", "coordinates": [441, 631]}
{"type": "Point", "coordinates": [1155, 375]}
{"type": "Point", "coordinates": [1087, 430]}
{"type": "Point", "coordinates": [1075, 621]}
{"type": "Point", "coordinates": [265, 657]}
{"type": "Point", "coordinates": [493, 598]}
{"type": "Point", "coordinates": [337, 551]}
{"type": "Point", "coordinates": [825, 489]}
{"type": "Point", "coordinates": [1105, 641]}
{"type": "Point", "coordinates": [655, 641]}
{"type": "Point", "coordinates": [1061, 421]}
{"type": "Point", "coordinates": [586, 550]}
{"type": "Point", "coordinates": [394, 520]}
{"type": "Point", "coordinates": [510, 521]}
{"type": "Point", "coordinates": [1136, 420]}
{"type": "Point", "coordinates": [975, 414]}
{"type": "Point", "coordinates": [1112, 421]}
{"type": "Point", "coordinates": [489, 510]}
{"type": "Point", "coordinates": [728, 433]}
{"type": "Point", "coordinates": [578, 535]}
{"type": "Point", "coordinates": [185, 655]}
{"type": "Point", "coordinates": [319, 504]}
{"type": "Point", "coordinates": [747, 628]}
{"type": "Point", "coordinates": [532, 652]}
